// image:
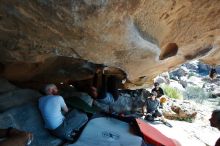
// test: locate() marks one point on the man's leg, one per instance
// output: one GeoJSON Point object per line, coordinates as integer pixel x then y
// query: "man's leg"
{"type": "Point", "coordinates": [61, 133]}
{"type": "Point", "coordinates": [74, 120]}
{"type": "Point", "coordinates": [157, 114]}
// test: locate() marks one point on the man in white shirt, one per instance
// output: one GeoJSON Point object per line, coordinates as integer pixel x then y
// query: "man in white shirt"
{"type": "Point", "coordinates": [51, 106]}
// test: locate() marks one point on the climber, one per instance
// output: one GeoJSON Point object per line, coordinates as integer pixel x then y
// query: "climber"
{"type": "Point", "coordinates": [150, 108]}
{"type": "Point", "coordinates": [51, 106]}
{"type": "Point", "coordinates": [213, 73]}
{"type": "Point", "coordinates": [157, 89]}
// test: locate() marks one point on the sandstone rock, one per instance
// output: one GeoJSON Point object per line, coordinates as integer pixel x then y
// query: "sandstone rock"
{"type": "Point", "coordinates": [192, 66]}
{"type": "Point", "coordinates": [180, 110]}
{"type": "Point", "coordinates": [28, 118]}
{"type": "Point", "coordinates": [203, 68]}
{"type": "Point", "coordinates": [6, 86]}
{"type": "Point", "coordinates": [142, 38]}
{"type": "Point", "coordinates": [17, 97]}
{"type": "Point", "coordinates": [161, 80]}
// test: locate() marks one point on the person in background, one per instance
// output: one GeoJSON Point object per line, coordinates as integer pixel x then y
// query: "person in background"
{"type": "Point", "coordinates": [51, 106]}
{"type": "Point", "coordinates": [107, 99]}
{"type": "Point", "coordinates": [150, 108]}
{"type": "Point", "coordinates": [14, 137]}
{"type": "Point", "coordinates": [213, 73]}
{"type": "Point", "coordinates": [158, 90]}
{"type": "Point", "coordinates": [215, 122]}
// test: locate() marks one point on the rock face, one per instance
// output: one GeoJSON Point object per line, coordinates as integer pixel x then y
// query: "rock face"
{"type": "Point", "coordinates": [40, 40]}
{"type": "Point", "coordinates": [27, 117]}
{"type": "Point", "coordinates": [11, 96]}
{"type": "Point", "coordinates": [180, 110]}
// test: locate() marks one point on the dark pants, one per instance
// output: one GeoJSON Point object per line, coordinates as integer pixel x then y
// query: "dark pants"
{"type": "Point", "coordinates": [154, 115]}
{"type": "Point", "coordinates": [74, 120]}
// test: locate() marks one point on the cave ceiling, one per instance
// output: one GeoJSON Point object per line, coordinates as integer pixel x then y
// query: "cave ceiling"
{"type": "Point", "coordinates": [53, 40]}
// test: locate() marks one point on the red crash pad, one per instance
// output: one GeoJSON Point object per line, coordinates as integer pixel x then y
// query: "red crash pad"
{"type": "Point", "coordinates": [154, 136]}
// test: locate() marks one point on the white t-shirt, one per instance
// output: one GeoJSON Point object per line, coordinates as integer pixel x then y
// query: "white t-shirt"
{"type": "Point", "coordinates": [51, 109]}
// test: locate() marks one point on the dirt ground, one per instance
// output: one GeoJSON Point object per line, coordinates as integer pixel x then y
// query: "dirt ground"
{"type": "Point", "coordinates": [198, 133]}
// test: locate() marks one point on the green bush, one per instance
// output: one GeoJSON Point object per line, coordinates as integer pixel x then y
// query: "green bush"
{"type": "Point", "coordinates": [172, 92]}
{"type": "Point", "coordinates": [196, 93]}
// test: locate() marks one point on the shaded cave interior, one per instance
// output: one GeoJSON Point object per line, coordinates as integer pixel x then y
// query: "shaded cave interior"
{"type": "Point", "coordinates": [58, 70]}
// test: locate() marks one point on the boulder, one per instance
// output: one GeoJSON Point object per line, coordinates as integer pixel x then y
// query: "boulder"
{"type": "Point", "coordinates": [203, 69]}
{"type": "Point", "coordinates": [27, 117]}
{"type": "Point", "coordinates": [17, 97]}
{"type": "Point", "coordinates": [180, 110]}
{"type": "Point", "coordinates": [192, 66]}
{"type": "Point", "coordinates": [51, 40]}
{"type": "Point", "coordinates": [6, 86]}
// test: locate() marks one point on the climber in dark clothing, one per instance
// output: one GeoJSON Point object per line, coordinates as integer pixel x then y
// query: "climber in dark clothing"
{"type": "Point", "coordinates": [157, 89]}
{"type": "Point", "coordinates": [150, 108]}
{"type": "Point", "coordinates": [213, 73]}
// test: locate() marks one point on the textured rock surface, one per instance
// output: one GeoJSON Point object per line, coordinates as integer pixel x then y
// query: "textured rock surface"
{"type": "Point", "coordinates": [12, 96]}
{"type": "Point", "coordinates": [180, 110]}
{"type": "Point", "coordinates": [27, 118]}
{"type": "Point", "coordinates": [6, 86]}
{"type": "Point", "coordinates": [141, 37]}
{"type": "Point", "coordinates": [18, 97]}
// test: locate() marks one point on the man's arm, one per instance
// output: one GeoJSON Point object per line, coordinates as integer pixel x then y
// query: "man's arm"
{"type": "Point", "coordinates": [65, 109]}
{"type": "Point", "coordinates": [63, 104]}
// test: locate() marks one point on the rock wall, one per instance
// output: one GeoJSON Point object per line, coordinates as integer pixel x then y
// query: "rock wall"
{"type": "Point", "coordinates": [141, 37]}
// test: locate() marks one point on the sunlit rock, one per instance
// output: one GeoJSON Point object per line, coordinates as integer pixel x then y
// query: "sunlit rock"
{"type": "Point", "coordinates": [141, 37]}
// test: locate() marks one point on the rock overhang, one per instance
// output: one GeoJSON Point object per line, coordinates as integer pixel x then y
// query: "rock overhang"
{"type": "Point", "coordinates": [142, 38]}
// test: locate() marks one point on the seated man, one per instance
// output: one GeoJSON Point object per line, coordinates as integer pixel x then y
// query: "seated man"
{"type": "Point", "coordinates": [51, 107]}
{"type": "Point", "coordinates": [108, 99]}
{"type": "Point", "coordinates": [104, 103]}
{"type": "Point", "coordinates": [215, 122]}
{"type": "Point", "coordinates": [108, 80]}
{"type": "Point", "coordinates": [157, 89]}
{"type": "Point", "coordinates": [150, 108]}
{"type": "Point", "coordinates": [15, 137]}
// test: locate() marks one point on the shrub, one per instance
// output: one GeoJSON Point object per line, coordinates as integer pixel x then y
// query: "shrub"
{"type": "Point", "coordinates": [196, 93]}
{"type": "Point", "coordinates": [172, 92]}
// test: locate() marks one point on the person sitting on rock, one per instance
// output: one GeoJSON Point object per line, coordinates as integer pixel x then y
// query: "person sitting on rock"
{"type": "Point", "coordinates": [157, 89]}
{"type": "Point", "coordinates": [14, 137]}
{"type": "Point", "coordinates": [150, 108]}
{"type": "Point", "coordinates": [51, 106]}
{"type": "Point", "coordinates": [215, 122]}
{"type": "Point", "coordinates": [108, 99]}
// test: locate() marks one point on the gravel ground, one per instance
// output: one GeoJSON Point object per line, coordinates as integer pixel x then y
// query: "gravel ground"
{"type": "Point", "coordinates": [198, 133]}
